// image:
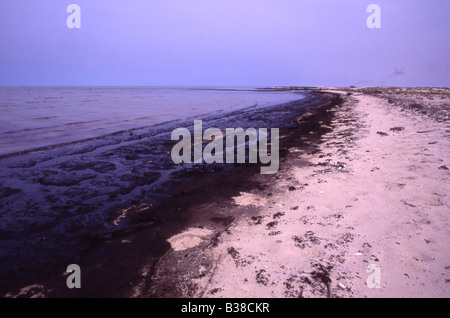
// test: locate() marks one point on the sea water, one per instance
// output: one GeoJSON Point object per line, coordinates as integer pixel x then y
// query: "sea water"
{"type": "Point", "coordinates": [34, 117]}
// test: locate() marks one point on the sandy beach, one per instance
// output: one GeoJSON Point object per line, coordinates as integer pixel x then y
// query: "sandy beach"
{"type": "Point", "coordinates": [225, 156]}
{"type": "Point", "coordinates": [359, 208]}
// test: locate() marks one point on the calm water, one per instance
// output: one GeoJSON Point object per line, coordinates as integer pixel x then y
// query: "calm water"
{"type": "Point", "coordinates": [33, 117]}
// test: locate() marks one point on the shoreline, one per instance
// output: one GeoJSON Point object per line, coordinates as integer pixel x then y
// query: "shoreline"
{"type": "Point", "coordinates": [349, 193]}
{"type": "Point", "coordinates": [227, 212]}
{"type": "Point", "coordinates": [140, 203]}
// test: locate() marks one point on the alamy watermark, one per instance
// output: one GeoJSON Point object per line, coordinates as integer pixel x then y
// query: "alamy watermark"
{"type": "Point", "coordinates": [74, 279]}
{"type": "Point", "coordinates": [214, 151]}
{"type": "Point", "coordinates": [374, 19]}
{"type": "Point", "coordinates": [74, 19]}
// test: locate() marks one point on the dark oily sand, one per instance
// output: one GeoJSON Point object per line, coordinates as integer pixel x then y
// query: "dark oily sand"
{"type": "Point", "coordinates": [110, 204]}
{"type": "Point", "coordinates": [197, 263]}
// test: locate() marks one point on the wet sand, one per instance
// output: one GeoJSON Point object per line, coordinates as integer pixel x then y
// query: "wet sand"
{"type": "Point", "coordinates": [363, 180]}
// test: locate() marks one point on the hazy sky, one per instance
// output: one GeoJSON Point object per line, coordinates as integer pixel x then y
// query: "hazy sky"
{"type": "Point", "coordinates": [225, 43]}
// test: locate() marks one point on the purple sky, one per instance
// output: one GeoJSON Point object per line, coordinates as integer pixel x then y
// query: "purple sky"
{"type": "Point", "coordinates": [225, 43]}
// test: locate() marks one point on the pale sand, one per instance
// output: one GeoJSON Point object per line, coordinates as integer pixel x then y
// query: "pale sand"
{"type": "Point", "coordinates": [189, 238]}
{"type": "Point", "coordinates": [364, 199]}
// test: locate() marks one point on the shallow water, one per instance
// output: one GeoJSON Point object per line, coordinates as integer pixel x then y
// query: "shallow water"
{"type": "Point", "coordinates": [33, 117]}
